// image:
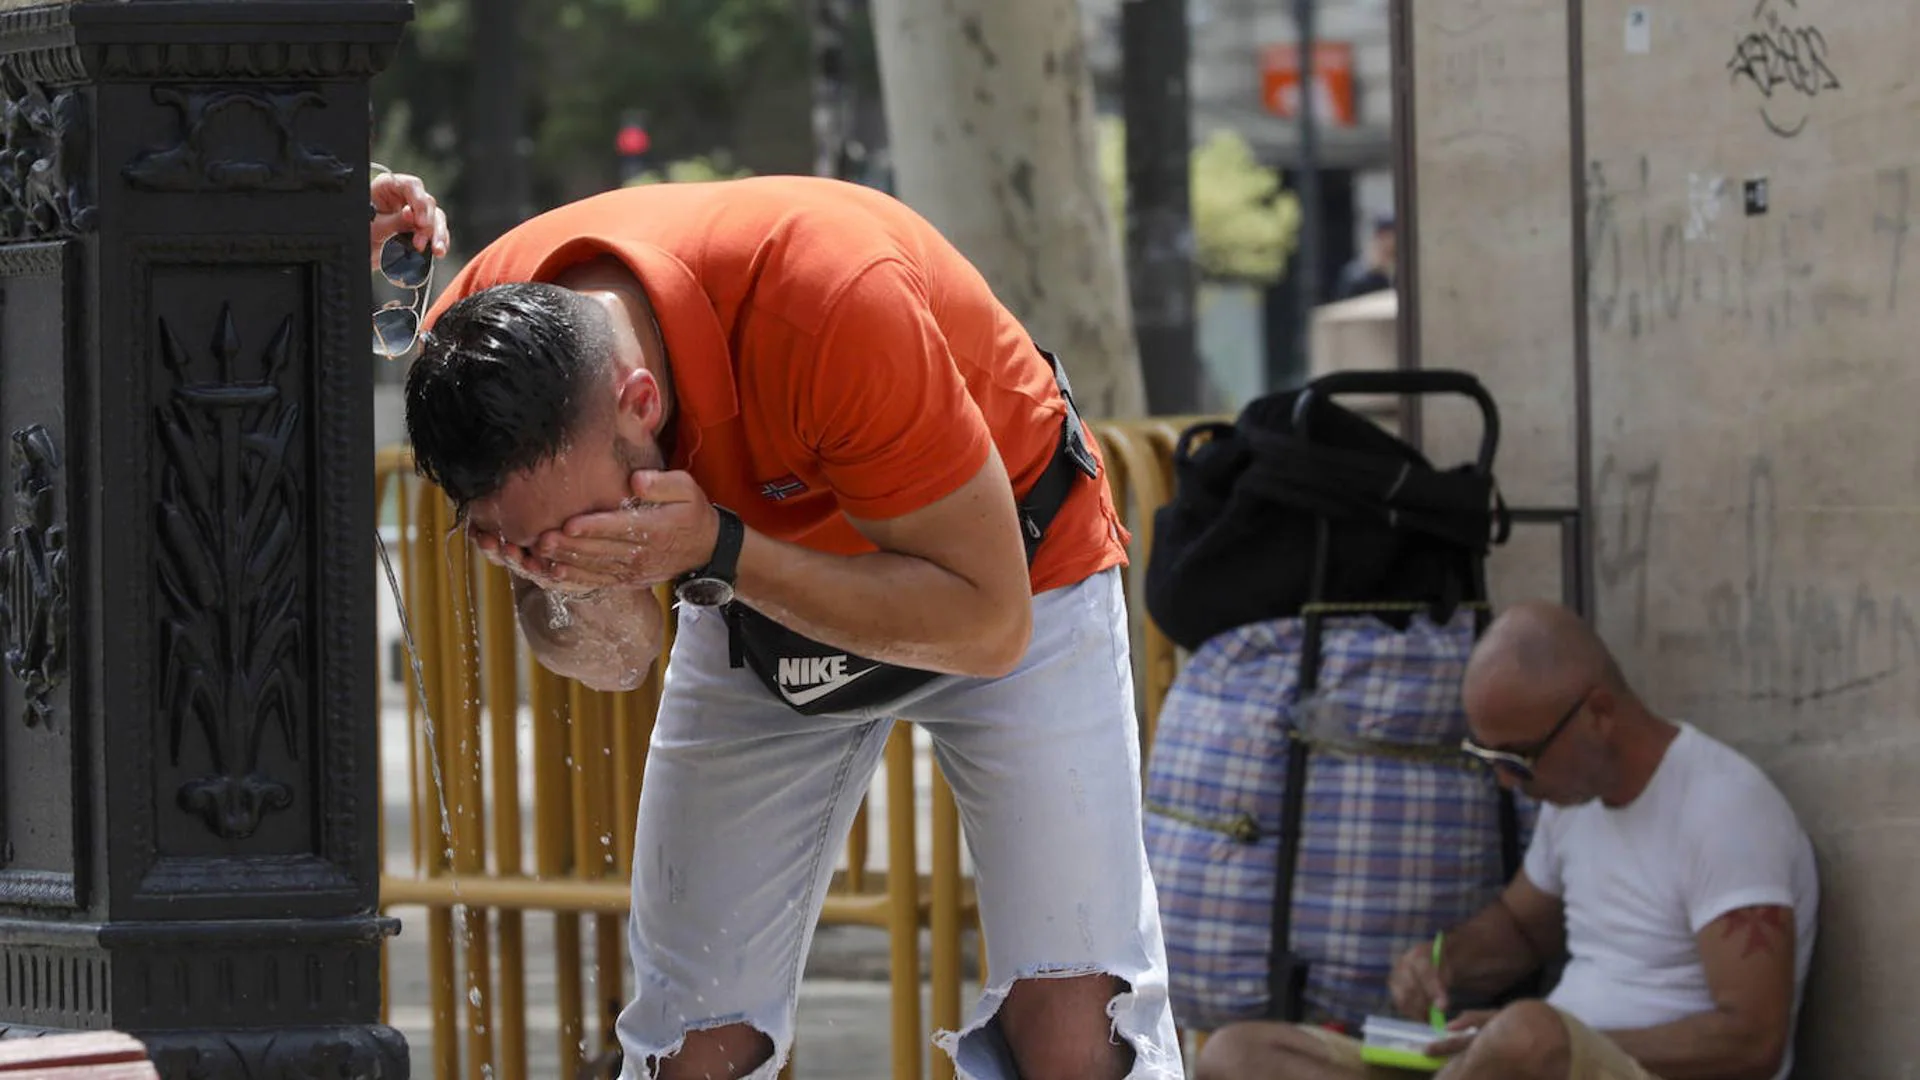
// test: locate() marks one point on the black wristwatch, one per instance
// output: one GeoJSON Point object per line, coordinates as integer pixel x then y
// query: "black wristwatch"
{"type": "Point", "coordinates": [712, 584]}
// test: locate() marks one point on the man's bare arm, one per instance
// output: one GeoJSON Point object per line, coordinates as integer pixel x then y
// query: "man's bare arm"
{"type": "Point", "coordinates": [1748, 954]}
{"type": "Point", "coordinates": [606, 641]}
{"type": "Point", "coordinates": [1505, 941]}
{"type": "Point", "coordinates": [947, 591]}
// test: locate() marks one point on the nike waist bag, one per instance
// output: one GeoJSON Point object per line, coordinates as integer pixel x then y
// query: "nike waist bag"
{"type": "Point", "coordinates": [814, 678]}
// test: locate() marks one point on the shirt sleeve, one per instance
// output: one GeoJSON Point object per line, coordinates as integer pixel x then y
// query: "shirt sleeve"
{"type": "Point", "coordinates": [1542, 864]}
{"type": "Point", "coordinates": [882, 403]}
{"type": "Point", "coordinates": [1741, 856]}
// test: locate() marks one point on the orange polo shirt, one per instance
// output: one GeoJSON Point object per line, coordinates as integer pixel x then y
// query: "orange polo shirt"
{"type": "Point", "coordinates": [830, 353]}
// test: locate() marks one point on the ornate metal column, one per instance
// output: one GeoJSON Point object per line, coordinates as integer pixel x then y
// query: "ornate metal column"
{"type": "Point", "coordinates": [188, 818]}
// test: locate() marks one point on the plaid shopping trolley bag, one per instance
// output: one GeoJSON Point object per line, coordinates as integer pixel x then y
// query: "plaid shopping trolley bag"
{"type": "Point", "coordinates": [1309, 814]}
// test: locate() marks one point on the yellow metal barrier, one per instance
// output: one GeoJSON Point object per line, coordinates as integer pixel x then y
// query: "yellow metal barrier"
{"type": "Point", "coordinates": [475, 785]}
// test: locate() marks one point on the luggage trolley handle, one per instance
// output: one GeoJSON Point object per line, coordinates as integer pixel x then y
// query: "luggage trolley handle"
{"type": "Point", "coordinates": [1405, 382]}
{"type": "Point", "coordinates": [1420, 382]}
{"type": "Point", "coordinates": [1286, 969]}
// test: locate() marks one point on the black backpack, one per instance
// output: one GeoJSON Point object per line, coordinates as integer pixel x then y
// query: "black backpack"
{"type": "Point", "coordinates": [1237, 544]}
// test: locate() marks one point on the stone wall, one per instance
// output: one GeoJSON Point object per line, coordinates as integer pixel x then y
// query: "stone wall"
{"type": "Point", "coordinates": [1746, 451]}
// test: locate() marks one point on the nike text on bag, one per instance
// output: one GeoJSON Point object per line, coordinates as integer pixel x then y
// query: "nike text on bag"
{"type": "Point", "coordinates": [814, 678]}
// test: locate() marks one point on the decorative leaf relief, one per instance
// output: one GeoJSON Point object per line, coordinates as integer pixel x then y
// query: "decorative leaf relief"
{"type": "Point", "coordinates": [33, 576]}
{"type": "Point", "coordinates": [229, 528]}
{"type": "Point", "coordinates": [43, 155]}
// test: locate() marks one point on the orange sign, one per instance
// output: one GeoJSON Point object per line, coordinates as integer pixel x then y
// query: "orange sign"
{"type": "Point", "coordinates": [1332, 78]}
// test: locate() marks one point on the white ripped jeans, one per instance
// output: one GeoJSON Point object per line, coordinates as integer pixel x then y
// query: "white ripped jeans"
{"type": "Point", "coordinates": [746, 804]}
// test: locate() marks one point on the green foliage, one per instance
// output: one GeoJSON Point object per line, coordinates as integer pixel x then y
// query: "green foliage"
{"type": "Point", "coordinates": [708, 76]}
{"type": "Point", "coordinates": [392, 149]}
{"type": "Point", "coordinates": [718, 166]}
{"type": "Point", "coordinates": [688, 65]}
{"type": "Point", "coordinates": [1245, 225]}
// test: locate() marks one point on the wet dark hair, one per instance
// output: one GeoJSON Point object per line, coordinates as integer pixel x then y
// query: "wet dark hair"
{"type": "Point", "coordinates": [502, 383]}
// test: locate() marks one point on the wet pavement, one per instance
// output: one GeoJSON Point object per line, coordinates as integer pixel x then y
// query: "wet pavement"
{"type": "Point", "coordinates": [843, 1019]}
{"type": "Point", "coordinates": [843, 1022]}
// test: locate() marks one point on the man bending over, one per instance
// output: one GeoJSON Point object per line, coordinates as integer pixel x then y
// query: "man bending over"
{"type": "Point", "coordinates": [793, 399]}
{"type": "Point", "coordinates": [1665, 866]}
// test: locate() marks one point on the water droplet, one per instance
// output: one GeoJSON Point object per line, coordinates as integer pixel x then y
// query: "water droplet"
{"type": "Point", "coordinates": [473, 995]}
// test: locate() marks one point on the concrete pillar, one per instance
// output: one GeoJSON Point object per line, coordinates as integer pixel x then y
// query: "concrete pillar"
{"type": "Point", "coordinates": [188, 811]}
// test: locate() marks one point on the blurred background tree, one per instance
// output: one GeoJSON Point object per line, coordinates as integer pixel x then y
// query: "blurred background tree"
{"type": "Point", "coordinates": [991, 130]}
{"type": "Point", "coordinates": [722, 80]}
{"type": "Point", "coordinates": [1245, 225]}
{"type": "Point", "coordinates": [717, 166]}
{"type": "Point", "coordinates": [507, 108]}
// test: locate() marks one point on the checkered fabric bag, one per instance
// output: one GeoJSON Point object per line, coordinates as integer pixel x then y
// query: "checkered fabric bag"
{"type": "Point", "coordinates": [1400, 836]}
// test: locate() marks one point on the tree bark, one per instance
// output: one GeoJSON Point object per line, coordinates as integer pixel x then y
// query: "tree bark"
{"type": "Point", "coordinates": [990, 122]}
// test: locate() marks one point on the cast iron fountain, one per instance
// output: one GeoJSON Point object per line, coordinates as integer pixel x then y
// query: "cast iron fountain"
{"type": "Point", "coordinates": [188, 820]}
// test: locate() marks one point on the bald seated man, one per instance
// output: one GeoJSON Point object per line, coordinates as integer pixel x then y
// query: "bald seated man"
{"type": "Point", "coordinates": [1665, 866]}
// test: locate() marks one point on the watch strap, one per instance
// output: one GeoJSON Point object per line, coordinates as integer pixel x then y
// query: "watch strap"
{"type": "Point", "coordinates": [724, 564]}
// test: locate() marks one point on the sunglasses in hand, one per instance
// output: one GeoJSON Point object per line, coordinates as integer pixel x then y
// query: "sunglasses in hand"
{"type": "Point", "coordinates": [396, 324]}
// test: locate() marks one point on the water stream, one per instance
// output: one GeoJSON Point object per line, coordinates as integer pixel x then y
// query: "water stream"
{"type": "Point", "coordinates": [462, 917]}
{"type": "Point", "coordinates": [560, 617]}
{"type": "Point", "coordinates": [426, 711]}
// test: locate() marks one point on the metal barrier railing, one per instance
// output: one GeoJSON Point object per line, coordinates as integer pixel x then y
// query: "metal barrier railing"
{"type": "Point", "coordinates": [538, 818]}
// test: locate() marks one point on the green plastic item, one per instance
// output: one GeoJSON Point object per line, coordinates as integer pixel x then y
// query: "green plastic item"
{"type": "Point", "coordinates": [1401, 1059]}
{"type": "Point", "coordinates": [1434, 1016]}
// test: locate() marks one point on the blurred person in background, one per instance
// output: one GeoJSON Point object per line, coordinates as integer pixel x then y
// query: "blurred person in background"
{"type": "Point", "coordinates": [1373, 270]}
